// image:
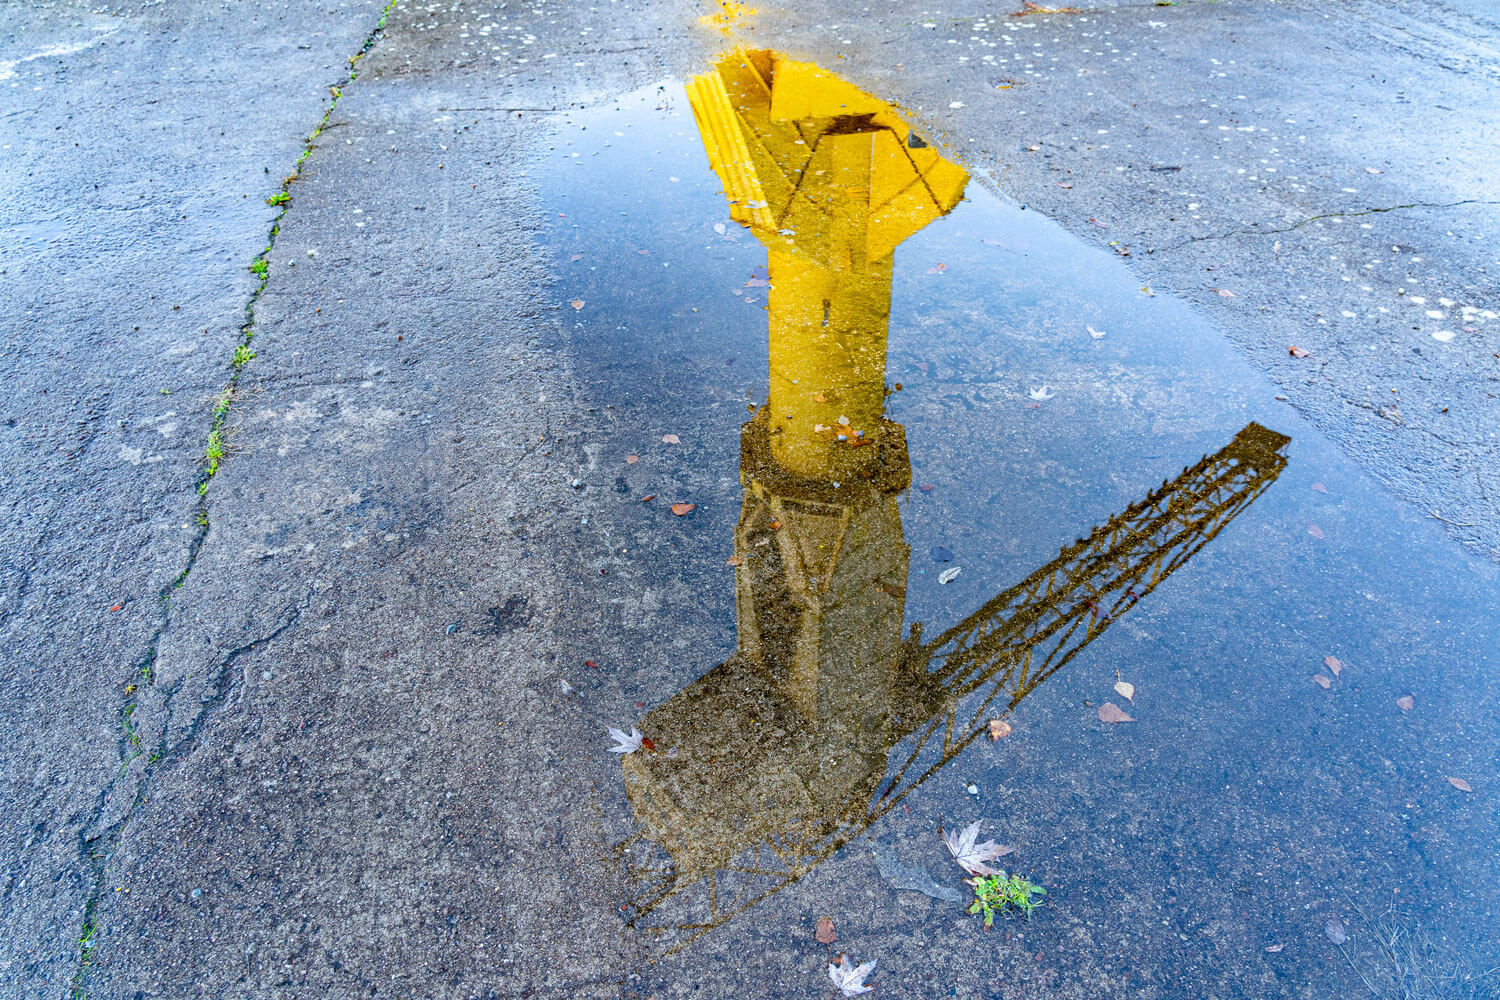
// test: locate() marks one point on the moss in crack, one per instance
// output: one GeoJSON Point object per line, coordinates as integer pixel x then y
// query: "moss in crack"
{"type": "Point", "coordinates": [96, 850]}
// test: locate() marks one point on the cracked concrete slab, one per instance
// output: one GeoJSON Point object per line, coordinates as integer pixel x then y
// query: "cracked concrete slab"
{"type": "Point", "coordinates": [363, 775]}
{"type": "Point", "coordinates": [131, 210]}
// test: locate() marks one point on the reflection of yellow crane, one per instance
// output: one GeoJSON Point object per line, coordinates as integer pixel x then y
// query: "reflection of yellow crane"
{"type": "Point", "coordinates": [825, 718]}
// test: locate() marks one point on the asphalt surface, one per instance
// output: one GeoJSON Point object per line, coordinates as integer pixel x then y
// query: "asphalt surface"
{"type": "Point", "coordinates": [251, 739]}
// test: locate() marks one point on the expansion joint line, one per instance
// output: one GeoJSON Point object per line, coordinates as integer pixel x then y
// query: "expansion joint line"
{"type": "Point", "coordinates": [1314, 218]}
{"type": "Point", "coordinates": [96, 847]}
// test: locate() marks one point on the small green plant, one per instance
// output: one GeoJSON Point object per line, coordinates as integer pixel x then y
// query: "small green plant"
{"type": "Point", "coordinates": [242, 356]}
{"type": "Point", "coordinates": [259, 268]}
{"type": "Point", "coordinates": [214, 452]}
{"type": "Point", "coordinates": [998, 893]}
{"type": "Point", "coordinates": [279, 198]}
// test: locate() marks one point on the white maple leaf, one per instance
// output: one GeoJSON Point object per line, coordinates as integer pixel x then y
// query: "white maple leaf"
{"type": "Point", "coordinates": [1043, 392]}
{"type": "Point", "coordinates": [971, 857]}
{"type": "Point", "coordinates": [850, 979]}
{"type": "Point", "coordinates": [624, 743]}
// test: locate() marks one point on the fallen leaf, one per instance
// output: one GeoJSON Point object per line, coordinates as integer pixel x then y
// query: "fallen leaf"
{"type": "Point", "coordinates": [648, 498]}
{"type": "Point", "coordinates": [1065, 187]}
{"type": "Point", "coordinates": [1320, 487]}
{"type": "Point", "coordinates": [825, 933]}
{"type": "Point", "coordinates": [1101, 224]}
{"type": "Point", "coordinates": [1333, 663]}
{"type": "Point", "coordinates": [117, 607]}
{"type": "Point", "coordinates": [1224, 293]}
{"type": "Point", "coordinates": [850, 979]}
{"type": "Point", "coordinates": [1460, 784]}
{"type": "Point", "coordinates": [1322, 681]}
{"type": "Point", "coordinates": [577, 303]}
{"type": "Point", "coordinates": [734, 561]}
{"type": "Point", "coordinates": [1273, 948]}
{"type": "Point", "coordinates": [947, 575]}
{"type": "Point", "coordinates": [926, 487]}
{"type": "Point", "coordinates": [1334, 928]}
{"type": "Point", "coordinates": [1126, 690]}
{"type": "Point", "coordinates": [670, 439]}
{"type": "Point", "coordinates": [1298, 352]}
{"type": "Point", "coordinates": [1110, 712]}
{"type": "Point", "coordinates": [774, 525]}
{"type": "Point", "coordinates": [625, 743]}
{"type": "Point", "coordinates": [683, 508]}
{"type": "Point", "coordinates": [1405, 702]}
{"type": "Point", "coordinates": [1315, 531]}
{"type": "Point", "coordinates": [1096, 334]}
{"type": "Point", "coordinates": [591, 663]}
{"type": "Point", "coordinates": [971, 857]}
{"type": "Point", "coordinates": [999, 729]}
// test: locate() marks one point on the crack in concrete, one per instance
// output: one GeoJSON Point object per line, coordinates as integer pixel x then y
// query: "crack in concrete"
{"type": "Point", "coordinates": [97, 849]}
{"type": "Point", "coordinates": [1314, 218]}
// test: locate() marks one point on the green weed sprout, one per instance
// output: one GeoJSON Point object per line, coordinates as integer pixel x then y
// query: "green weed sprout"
{"type": "Point", "coordinates": [998, 893]}
{"type": "Point", "coordinates": [279, 198]}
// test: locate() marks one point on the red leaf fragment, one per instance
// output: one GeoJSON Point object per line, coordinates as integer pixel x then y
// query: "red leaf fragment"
{"type": "Point", "coordinates": [1110, 712]}
{"type": "Point", "coordinates": [117, 607]}
{"type": "Point", "coordinates": [825, 933]}
{"type": "Point", "coordinates": [682, 509]}
{"type": "Point", "coordinates": [648, 498]}
{"type": "Point", "coordinates": [1460, 784]}
{"type": "Point", "coordinates": [1298, 352]}
{"type": "Point", "coordinates": [591, 663]}
{"type": "Point", "coordinates": [632, 459]}
{"type": "Point", "coordinates": [1405, 702]}
{"type": "Point", "coordinates": [1322, 681]}
{"type": "Point", "coordinates": [1333, 663]}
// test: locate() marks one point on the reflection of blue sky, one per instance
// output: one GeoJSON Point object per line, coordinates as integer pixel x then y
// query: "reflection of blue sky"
{"type": "Point", "coordinates": [1241, 772]}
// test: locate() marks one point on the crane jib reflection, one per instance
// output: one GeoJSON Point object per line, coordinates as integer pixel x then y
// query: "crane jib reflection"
{"type": "Point", "coordinates": [826, 716]}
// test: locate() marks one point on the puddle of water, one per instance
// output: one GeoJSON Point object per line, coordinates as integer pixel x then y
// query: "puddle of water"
{"type": "Point", "coordinates": [962, 468]}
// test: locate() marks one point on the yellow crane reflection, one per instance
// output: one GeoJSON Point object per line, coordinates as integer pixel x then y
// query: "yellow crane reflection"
{"type": "Point", "coordinates": [825, 717]}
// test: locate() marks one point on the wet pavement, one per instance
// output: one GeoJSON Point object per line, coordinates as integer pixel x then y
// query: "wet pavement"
{"type": "Point", "coordinates": [702, 394]}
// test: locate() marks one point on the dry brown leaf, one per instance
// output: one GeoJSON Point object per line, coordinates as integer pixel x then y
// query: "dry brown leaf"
{"type": "Point", "coordinates": [826, 934]}
{"type": "Point", "coordinates": [1405, 702]}
{"type": "Point", "coordinates": [683, 508]}
{"type": "Point", "coordinates": [734, 561]}
{"type": "Point", "coordinates": [1298, 352]}
{"type": "Point", "coordinates": [1460, 784]}
{"type": "Point", "coordinates": [999, 729]}
{"type": "Point", "coordinates": [577, 303]}
{"type": "Point", "coordinates": [1126, 690]}
{"type": "Point", "coordinates": [648, 498]}
{"type": "Point", "coordinates": [1110, 712]}
{"type": "Point", "coordinates": [1322, 681]}
{"type": "Point", "coordinates": [632, 459]}
{"type": "Point", "coordinates": [1333, 663]}
{"type": "Point", "coordinates": [774, 525]}
{"type": "Point", "coordinates": [670, 439]}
